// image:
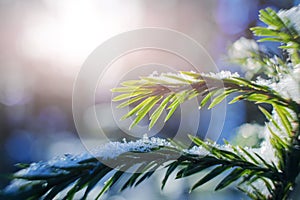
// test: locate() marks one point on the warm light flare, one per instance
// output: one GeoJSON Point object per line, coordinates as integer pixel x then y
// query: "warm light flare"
{"type": "Point", "coordinates": [69, 31]}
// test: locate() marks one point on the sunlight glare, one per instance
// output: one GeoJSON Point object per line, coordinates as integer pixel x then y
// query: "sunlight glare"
{"type": "Point", "coordinates": [69, 30]}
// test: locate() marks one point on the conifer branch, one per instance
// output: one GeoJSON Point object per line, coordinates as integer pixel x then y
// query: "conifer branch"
{"type": "Point", "coordinates": [171, 90]}
{"type": "Point", "coordinates": [46, 180]}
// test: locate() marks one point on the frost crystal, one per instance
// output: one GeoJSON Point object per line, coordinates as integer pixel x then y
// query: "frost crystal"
{"type": "Point", "coordinates": [197, 150]}
{"type": "Point", "coordinates": [221, 74]}
{"type": "Point", "coordinates": [171, 77]}
{"type": "Point", "coordinates": [114, 149]}
{"type": "Point", "coordinates": [180, 78]}
{"type": "Point", "coordinates": [288, 86]}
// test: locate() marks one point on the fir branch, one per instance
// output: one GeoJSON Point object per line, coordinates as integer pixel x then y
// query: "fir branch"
{"type": "Point", "coordinates": [281, 29]}
{"type": "Point", "coordinates": [86, 172]}
{"type": "Point", "coordinates": [256, 60]}
{"type": "Point", "coordinates": [171, 90]}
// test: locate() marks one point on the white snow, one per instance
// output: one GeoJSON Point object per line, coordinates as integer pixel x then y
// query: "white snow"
{"type": "Point", "coordinates": [288, 86]}
{"type": "Point", "coordinates": [243, 48]}
{"type": "Point", "coordinates": [197, 150]}
{"type": "Point", "coordinates": [112, 150]}
{"type": "Point", "coordinates": [221, 74]}
{"type": "Point", "coordinates": [167, 77]}
{"type": "Point", "coordinates": [292, 17]}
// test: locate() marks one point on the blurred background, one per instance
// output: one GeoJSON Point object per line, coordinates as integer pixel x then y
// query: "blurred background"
{"type": "Point", "coordinates": [43, 44]}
